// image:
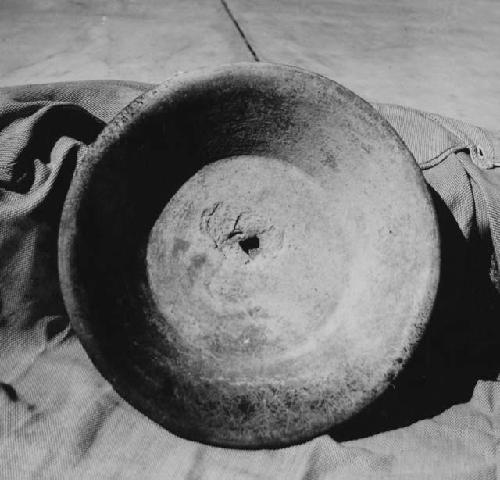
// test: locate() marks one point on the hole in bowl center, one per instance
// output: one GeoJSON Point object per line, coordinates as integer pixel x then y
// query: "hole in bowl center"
{"type": "Point", "coordinates": [250, 245]}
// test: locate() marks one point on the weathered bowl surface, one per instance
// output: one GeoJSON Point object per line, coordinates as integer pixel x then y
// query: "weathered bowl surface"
{"type": "Point", "coordinates": [249, 254]}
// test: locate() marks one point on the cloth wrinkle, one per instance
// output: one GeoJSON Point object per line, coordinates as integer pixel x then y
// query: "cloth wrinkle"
{"type": "Point", "coordinates": [65, 421]}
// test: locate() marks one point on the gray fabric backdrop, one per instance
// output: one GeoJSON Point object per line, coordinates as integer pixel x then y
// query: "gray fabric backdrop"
{"type": "Point", "coordinates": [60, 419]}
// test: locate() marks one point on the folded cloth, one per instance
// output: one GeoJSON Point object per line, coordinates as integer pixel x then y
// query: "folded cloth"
{"type": "Point", "coordinates": [60, 419]}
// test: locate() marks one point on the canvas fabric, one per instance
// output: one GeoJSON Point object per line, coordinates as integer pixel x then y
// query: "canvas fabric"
{"type": "Point", "coordinates": [59, 419]}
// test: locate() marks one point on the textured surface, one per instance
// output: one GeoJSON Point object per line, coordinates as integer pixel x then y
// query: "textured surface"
{"type": "Point", "coordinates": [60, 419]}
{"type": "Point", "coordinates": [436, 56]}
{"type": "Point", "coordinates": [145, 41]}
{"type": "Point", "coordinates": [440, 57]}
{"type": "Point", "coordinates": [257, 351]}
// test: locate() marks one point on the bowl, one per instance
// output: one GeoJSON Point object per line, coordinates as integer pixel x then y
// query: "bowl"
{"type": "Point", "coordinates": [249, 254]}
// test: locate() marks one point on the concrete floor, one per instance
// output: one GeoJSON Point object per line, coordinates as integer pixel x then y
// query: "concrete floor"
{"type": "Point", "coordinates": [438, 56]}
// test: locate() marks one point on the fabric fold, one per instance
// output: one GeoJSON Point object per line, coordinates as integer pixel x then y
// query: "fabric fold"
{"type": "Point", "coordinates": [60, 419]}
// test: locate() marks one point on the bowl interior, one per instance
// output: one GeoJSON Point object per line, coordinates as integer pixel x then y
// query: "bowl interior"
{"type": "Point", "coordinates": [249, 254]}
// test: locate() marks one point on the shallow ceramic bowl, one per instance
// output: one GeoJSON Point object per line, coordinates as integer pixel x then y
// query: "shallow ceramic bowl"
{"type": "Point", "coordinates": [249, 254]}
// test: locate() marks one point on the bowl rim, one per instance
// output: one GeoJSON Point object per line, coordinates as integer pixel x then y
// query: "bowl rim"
{"type": "Point", "coordinates": [144, 104]}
